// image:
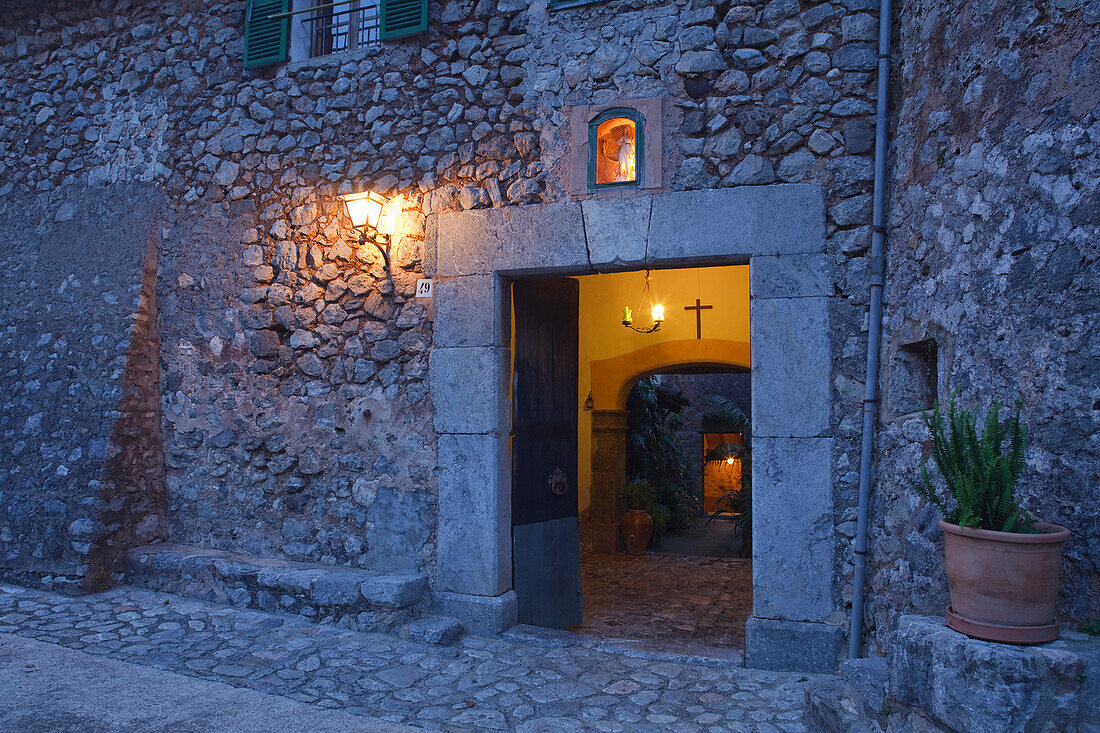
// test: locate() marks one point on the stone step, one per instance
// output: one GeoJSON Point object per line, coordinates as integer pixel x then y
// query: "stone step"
{"type": "Point", "coordinates": [353, 598]}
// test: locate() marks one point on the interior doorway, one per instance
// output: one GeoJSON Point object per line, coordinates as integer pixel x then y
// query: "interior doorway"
{"type": "Point", "coordinates": [625, 426]}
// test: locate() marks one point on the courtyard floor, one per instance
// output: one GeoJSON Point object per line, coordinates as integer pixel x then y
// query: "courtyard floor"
{"type": "Point", "coordinates": [477, 684]}
{"type": "Point", "coordinates": [671, 602]}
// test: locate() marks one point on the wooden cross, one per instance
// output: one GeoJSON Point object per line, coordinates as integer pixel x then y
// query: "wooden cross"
{"type": "Point", "coordinates": [698, 308]}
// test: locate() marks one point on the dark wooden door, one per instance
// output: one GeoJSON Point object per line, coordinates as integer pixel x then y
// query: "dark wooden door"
{"type": "Point", "coordinates": [545, 540]}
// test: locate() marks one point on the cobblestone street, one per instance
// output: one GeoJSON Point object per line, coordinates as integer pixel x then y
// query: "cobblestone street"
{"type": "Point", "coordinates": [478, 684]}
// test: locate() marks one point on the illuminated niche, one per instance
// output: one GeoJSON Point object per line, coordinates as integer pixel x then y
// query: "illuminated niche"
{"type": "Point", "coordinates": [616, 149]}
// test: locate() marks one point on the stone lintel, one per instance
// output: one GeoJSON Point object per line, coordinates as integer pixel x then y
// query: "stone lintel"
{"type": "Point", "coordinates": [514, 238]}
{"type": "Point", "coordinates": [791, 367]}
{"type": "Point", "coordinates": [792, 528]}
{"type": "Point", "coordinates": [681, 228]}
{"type": "Point", "coordinates": [792, 646]}
{"type": "Point", "coordinates": [746, 220]}
{"type": "Point", "coordinates": [474, 545]}
{"type": "Point", "coordinates": [480, 615]}
{"type": "Point", "coordinates": [469, 389]}
{"type": "Point", "coordinates": [616, 230]}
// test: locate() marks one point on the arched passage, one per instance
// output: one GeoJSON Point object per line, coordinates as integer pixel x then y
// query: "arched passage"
{"type": "Point", "coordinates": [612, 379]}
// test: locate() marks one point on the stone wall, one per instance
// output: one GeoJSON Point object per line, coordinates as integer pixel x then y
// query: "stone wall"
{"type": "Point", "coordinates": [81, 473]}
{"type": "Point", "coordinates": [993, 254]}
{"type": "Point", "coordinates": [295, 416]}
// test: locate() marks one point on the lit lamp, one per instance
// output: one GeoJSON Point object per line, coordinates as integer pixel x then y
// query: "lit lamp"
{"type": "Point", "coordinates": [365, 212]}
{"type": "Point", "coordinates": [656, 311]}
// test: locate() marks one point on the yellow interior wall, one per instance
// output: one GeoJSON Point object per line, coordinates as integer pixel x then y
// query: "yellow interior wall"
{"type": "Point", "coordinates": [602, 335]}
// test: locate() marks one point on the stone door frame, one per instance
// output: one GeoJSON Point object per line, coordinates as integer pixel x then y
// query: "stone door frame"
{"type": "Point", "coordinates": [780, 232]}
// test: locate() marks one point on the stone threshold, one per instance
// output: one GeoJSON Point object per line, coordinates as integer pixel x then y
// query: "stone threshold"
{"type": "Point", "coordinates": [349, 597]}
{"type": "Point", "coordinates": [697, 655]}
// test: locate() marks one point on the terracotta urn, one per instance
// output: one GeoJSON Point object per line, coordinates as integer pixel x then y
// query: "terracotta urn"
{"type": "Point", "coordinates": [1003, 585]}
{"type": "Point", "coordinates": [636, 528]}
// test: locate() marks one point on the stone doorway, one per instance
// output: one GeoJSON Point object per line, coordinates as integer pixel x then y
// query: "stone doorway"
{"type": "Point", "coordinates": [780, 232]}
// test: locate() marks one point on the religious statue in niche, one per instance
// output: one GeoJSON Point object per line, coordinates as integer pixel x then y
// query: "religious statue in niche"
{"type": "Point", "coordinates": [615, 139]}
{"type": "Point", "coordinates": [618, 160]}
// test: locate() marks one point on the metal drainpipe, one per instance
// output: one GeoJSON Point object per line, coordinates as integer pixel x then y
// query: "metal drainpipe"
{"type": "Point", "coordinates": [874, 330]}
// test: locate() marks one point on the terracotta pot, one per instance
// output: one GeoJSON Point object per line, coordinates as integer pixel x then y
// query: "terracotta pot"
{"type": "Point", "coordinates": [636, 528]}
{"type": "Point", "coordinates": [1003, 585]}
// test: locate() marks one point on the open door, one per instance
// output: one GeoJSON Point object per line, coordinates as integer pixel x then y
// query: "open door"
{"type": "Point", "coordinates": [545, 540]}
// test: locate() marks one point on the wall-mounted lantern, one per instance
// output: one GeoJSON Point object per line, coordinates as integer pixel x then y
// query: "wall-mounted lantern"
{"type": "Point", "coordinates": [365, 211]}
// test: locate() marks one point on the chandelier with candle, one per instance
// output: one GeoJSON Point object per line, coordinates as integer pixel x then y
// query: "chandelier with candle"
{"type": "Point", "coordinates": [656, 310]}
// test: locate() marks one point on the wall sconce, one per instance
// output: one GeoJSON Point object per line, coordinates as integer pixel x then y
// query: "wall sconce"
{"type": "Point", "coordinates": [656, 311]}
{"type": "Point", "coordinates": [365, 211]}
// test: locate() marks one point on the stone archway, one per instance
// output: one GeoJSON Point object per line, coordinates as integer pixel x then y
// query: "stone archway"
{"type": "Point", "coordinates": [612, 380]}
{"type": "Point", "coordinates": [780, 231]}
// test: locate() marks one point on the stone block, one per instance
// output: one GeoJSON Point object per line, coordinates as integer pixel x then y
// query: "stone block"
{"type": "Point", "coordinates": [287, 580]}
{"type": "Point", "coordinates": [983, 687]}
{"type": "Point", "coordinates": [336, 589]}
{"type": "Point", "coordinates": [468, 387]}
{"type": "Point", "coordinates": [790, 344]}
{"type": "Point", "coordinates": [515, 238]}
{"type": "Point", "coordinates": [868, 679]}
{"type": "Point", "coordinates": [483, 615]}
{"type": "Point", "coordinates": [792, 646]}
{"type": "Point", "coordinates": [474, 545]}
{"type": "Point", "coordinates": [440, 630]}
{"type": "Point", "coordinates": [792, 528]}
{"type": "Point", "coordinates": [737, 222]}
{"type": "Point", "coordinates": [616, 230]}
{"type": "Point", "coordinates": [468, 312]}
{"type": "Point", "coordinates": [792, 276]}
{"type": "Point", "coordinates": [393, 591]}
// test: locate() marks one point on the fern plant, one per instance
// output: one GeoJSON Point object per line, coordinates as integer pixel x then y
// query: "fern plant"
{"type": "Point", "coordinates": [979, 467]}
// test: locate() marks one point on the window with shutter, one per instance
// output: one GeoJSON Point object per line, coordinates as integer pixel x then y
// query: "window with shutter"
{"type": "Point", "coordinates": [403, 18]}
{"type": "Point", "coordinates": [266, 32]}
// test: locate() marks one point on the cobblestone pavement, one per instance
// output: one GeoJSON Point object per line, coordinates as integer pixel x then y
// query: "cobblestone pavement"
{"type": "Point", "coordinates": [478, 684]}
{"type": "Point", "coordinates": [667, 600]}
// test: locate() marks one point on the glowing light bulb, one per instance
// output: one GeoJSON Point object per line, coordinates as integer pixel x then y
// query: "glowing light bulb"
{"type": "Point", "coordinates": [729, 460]}
{"type": "Point", "coordinates": [658, 313]}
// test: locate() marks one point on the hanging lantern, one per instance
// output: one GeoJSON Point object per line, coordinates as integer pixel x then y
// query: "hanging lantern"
{"type": "Point", "coordinates": [656, 311]}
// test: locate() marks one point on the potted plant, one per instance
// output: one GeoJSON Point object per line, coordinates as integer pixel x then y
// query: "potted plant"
{"type": "Point", "coordinates": [1002, 565]}
{"type": "Point", "coordinates": [645, 515]}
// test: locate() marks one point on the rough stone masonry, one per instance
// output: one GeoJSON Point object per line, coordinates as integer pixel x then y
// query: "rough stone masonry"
{"type": "Point", "coordinates": [291, 416]}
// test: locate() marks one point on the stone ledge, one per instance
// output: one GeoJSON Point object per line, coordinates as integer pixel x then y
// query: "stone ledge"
{"type": "Point", "coordinates": [972, 685]}
{"type": "Point", "coordinates": [355, 598]}
{"type": "Point", "coordinates": [936, 680]}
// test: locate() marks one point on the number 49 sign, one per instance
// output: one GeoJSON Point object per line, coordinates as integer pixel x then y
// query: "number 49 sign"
{"type": "Point", "coordinates": [424, 288]}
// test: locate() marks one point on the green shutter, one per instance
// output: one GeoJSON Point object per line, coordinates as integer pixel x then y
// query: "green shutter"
{"type": "Point", "coordinates": [265, 38]}
{"type": "Point", "coordinates": [403, 18]}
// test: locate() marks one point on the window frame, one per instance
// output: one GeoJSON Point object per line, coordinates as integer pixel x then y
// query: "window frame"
{"type": "Point", "coordinates": [639, 148]}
